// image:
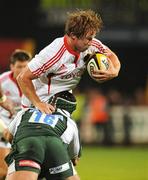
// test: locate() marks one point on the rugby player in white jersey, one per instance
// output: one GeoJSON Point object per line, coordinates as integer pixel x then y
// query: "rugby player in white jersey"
{"type": "Point", "coordinates": [7, 105]}
{"type": "Point", "coordinates": [61, 65]}
{"type": "Point", "coordinates": [11, 90]}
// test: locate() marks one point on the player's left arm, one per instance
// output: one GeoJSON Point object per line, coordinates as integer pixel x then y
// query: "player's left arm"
{"type": "Point", "coordinates": [24, 80]}
{"type": "Point", "coordinates": [114, 67]}
{"type": "Point", "coordinates": [113, 62]}
{"type": "Point", "coordinates": [6, 103]}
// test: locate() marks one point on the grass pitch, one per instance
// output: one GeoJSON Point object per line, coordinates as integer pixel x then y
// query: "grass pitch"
{"type": "Point", "coordinates": [113, 163]}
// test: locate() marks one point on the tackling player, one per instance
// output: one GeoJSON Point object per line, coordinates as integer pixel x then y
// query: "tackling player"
{"type": "Point", "coordinates": [51, 127]}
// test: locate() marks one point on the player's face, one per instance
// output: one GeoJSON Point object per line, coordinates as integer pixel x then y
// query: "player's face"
{"type": "Point", "coordinates": [18, 67]}
{"type": "Point", "coordinates": [82, 44]}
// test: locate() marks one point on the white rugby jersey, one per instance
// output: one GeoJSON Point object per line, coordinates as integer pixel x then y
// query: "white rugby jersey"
{"type": "Point", "coordinates": [12, 91]}
{"type": "Point", "coordinates": [59, 67]}
{"type": "Point", "coordinates": [70, 135]}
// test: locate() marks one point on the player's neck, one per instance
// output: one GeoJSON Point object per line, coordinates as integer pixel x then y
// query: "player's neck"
{"type": "Point", "coordinates": [71, 43]}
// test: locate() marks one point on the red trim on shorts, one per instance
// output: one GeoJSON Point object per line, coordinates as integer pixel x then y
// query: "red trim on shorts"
{"type": "Point", "coordinates": [29, 163]}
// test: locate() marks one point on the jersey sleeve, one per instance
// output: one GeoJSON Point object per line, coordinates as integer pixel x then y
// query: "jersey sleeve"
{"type": "Point", "coordinates": [15, 122]}
{"type": "Point", "coordinates": [96, 46]}
{"type": "Point", "coordinates": [47, 59]}
{"type": "Point", "coordinates": [74, 147]}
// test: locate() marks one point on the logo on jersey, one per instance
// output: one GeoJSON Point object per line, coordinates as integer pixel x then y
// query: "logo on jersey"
{"type": "Point", "coordinates": [73, 75]}
{"type": "Point", "coordinates": [59, 169]}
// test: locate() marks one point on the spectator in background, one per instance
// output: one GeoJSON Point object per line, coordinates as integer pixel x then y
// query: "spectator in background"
{"type": "Point", "coordinates": [114, 97]}
{"type": "Point", "coordinates": [10, 88]}
{"type": "Point", "coordinates": [116, 100]}
{"type": "Point", "coordinates": [139, 97]}
{"type": "Point", "coordinates": [98, 113]}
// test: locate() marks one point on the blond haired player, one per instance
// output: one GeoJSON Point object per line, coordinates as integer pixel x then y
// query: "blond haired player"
{"type": "Point", "coordinates": [12, 95]}
{"type": "Point", "coordinates": [60, 65]}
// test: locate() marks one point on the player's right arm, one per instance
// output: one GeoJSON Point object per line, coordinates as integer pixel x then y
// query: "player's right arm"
{"type": "Point", "coordinates": [25, 82]}
{"type": "Point", "coordinates": [11, 130]}
{"type": "Point", "coordinates": [74, 148]}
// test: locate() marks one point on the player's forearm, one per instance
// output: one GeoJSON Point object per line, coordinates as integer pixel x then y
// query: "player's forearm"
{"type": "Point", "coordinates": [27, 88]}
{"type": "Point", "coordinates": [114, 59]}
{"type": "Point", "coordinates": [116, 62]}
{"type": "Point", "coordinates": [29, 91]}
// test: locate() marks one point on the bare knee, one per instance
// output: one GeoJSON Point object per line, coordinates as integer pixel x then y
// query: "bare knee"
{"type": "Point", "coordinates": [2, 175]}
{"type": "Point", "coordinates": [23, 175]}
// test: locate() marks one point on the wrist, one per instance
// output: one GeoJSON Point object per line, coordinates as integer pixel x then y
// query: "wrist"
{"type": "Point", "coordinates": [3, 98]}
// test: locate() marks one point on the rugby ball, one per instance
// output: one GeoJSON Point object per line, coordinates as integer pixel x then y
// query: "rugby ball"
{"type": "Point", "coordinates": [95, 62]}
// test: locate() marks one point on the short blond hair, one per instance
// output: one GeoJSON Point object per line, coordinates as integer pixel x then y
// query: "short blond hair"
{"type": "Point", "coordinates": [80, 22]}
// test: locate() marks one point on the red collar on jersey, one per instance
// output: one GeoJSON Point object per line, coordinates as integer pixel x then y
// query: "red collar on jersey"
{"type": "Point", "coordinates": [69, 48]}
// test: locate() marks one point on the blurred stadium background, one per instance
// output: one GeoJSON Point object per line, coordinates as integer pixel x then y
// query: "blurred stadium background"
{"type": "Point", "coordinates": [115, 138]}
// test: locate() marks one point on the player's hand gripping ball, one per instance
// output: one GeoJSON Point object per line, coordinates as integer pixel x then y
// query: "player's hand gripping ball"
{"type": "Point", "coordinates": [95, 62]}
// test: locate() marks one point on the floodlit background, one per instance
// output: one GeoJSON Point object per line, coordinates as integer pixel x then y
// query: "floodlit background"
{"type": "Point", "coordinates": [113, 116]}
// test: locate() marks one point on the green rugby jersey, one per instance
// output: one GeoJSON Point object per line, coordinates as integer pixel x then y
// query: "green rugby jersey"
{"type": "Point", "coordinates": [35, 123]}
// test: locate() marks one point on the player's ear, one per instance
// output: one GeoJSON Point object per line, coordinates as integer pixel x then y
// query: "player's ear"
{"type": "Point", "coordinates": [11, 67]}
{"type": "Point", "coordinates": [73, 37]}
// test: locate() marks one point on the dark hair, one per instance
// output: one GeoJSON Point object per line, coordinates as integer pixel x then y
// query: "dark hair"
{"type": "Point", "coordinates": [80, 22]}
{"type": "Point", "coordinates": [20, 55]}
